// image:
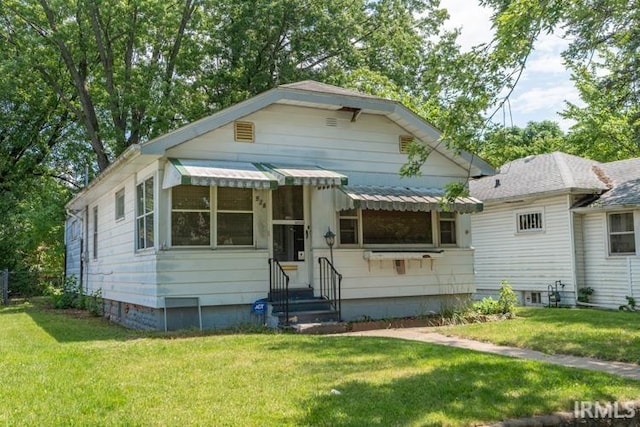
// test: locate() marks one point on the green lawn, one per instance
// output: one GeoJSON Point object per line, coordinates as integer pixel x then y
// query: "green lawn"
{"type": "Point", "coordinates": [61, 370]}
{"type": "Point", "coordinates": [604, 334]}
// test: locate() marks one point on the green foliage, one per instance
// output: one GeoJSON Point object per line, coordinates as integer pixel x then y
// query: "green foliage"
{"type": "Point", "coordinates": [507, 301]}
{"type": "Point", "coordinates": [585, 293]}
{"type": "Point", "coordinates": [500, 145]}
{"type": "Point", "coordinates": [72, 295]}
{"type": "Point", "coordinates": [487, 306]}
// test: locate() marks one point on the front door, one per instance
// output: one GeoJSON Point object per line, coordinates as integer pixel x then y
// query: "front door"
{"type": "Point", "coordinates": [290, 233]}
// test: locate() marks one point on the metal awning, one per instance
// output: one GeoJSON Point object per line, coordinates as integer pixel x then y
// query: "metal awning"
{"type": "Point", "coordinates": [402, 199]}
{"type": "Point", "coordinates": [306, 175]}
{"type": "Point", "coordinates": [218, 174]}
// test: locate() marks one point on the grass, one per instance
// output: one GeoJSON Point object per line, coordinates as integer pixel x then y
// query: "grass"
{"type": "Point", "coordinates": [62, 370]}
{"type": "Point", "coordinates": [603, 334]}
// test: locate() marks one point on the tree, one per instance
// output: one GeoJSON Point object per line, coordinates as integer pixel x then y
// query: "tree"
{"type": "Point", "coordinates": [500, 145]}
{"type": "Point", "coordinates": [604, 57]}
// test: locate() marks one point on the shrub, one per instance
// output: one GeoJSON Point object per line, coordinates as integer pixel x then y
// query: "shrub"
{"type": "Point", "coordinates": [72, 296]}
{"type": "Point", "coordinates": [508, 300]}
{"type": "Point", "coordinates": [584, 293]}
{"type": "Point", "coordinates": [487, 306]}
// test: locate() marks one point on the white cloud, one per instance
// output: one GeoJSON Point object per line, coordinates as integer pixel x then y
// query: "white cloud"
{"type": "Point", "coordinates": [473, 19]}
{"type": "Point", "coordinates": [544, 85]}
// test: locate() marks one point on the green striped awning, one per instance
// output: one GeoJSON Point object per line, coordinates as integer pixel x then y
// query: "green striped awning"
{"type": "Point", "coordinates": [402, 199]}
{"type": "Point", "coordinates": [306, 175]}
{"type": "Point", "coordinates": [217, 174]}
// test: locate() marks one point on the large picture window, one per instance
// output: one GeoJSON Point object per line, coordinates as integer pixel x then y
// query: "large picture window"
{"type": "Point", "coordinates": [382, 227]}
{"type": "Point", "coordinates": [396, 227]}
{"type": "Point", "coordinates": [622, 239]}
{"type": "Point", "coordinates": [144, 214]}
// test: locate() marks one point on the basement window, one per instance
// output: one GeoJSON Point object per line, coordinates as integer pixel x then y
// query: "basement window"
{"type": "Point", "coordinates": [244, 131]}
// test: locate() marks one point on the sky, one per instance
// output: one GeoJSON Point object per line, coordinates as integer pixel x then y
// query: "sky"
{"type": "Point", "coordinates": [544, 85]}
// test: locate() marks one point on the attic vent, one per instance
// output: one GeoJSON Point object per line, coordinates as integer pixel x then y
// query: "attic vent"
{"type": "Point", "coordinates": [405, 141]}
{"type": "Point", "coordinates": [331, 122]}
{"type": "Point", "coordinates": [244, 131]}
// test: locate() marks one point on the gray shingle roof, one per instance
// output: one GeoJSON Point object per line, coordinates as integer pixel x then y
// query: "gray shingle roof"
{"type": "Point", "coordinates": [619, 182]}
{"type": "Point", "coordinates": [314, 86]}
{"type": "Point", "coordinates": [533, 175]}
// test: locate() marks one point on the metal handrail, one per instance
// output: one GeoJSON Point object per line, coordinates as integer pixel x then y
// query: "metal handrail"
{"type": "Point", "coordinates": [279, 287]}
{"type": "Point", "coordinates": [331, 285]}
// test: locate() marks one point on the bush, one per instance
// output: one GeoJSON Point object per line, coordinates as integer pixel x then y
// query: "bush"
{"type": "Point", "coordinates": [506, 304]}
{"type": "Point", "coordinates": [508, 300]}
{"type": "Point", "coordinates": [72, 296]}
{"type": "Point", "coordinates": [487, 306]}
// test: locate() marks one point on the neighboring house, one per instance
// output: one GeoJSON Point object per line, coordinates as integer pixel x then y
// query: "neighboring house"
{"type": "Point", "coordinates": [557, 217]}
{"type": "Point", "coordinates": [197, 221]}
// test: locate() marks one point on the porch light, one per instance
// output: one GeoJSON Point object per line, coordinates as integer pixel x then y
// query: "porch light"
{"type": "Point", "coordinates": [330, 238]}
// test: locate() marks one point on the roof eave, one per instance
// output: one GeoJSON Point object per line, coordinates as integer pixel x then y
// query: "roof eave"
{"type": "Point", "coordinates": [539, 195]}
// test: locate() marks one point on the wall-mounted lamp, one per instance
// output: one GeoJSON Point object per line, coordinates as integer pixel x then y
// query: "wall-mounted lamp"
{"type": "Point", "coordinates": [330, 238]}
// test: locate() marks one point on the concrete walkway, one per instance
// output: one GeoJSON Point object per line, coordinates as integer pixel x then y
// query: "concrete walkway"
{"type": "Point", "coordinates": [627, 370]}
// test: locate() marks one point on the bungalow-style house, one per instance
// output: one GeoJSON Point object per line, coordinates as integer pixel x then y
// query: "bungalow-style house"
{"type": "Point", "coordinates": [560, 218]}
{"type": "Point", "coordinates": [201, 225]}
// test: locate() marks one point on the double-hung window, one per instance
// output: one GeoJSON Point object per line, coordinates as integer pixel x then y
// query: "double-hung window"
{"type": "Point", "coordinates": [622, 239]}
{"type": "Point", "coordinates": [144, 214]}
{"type": "Point", "coordinates": [95, 232]}
{"type": "Point", "coordinates": [190, 216]}
{"type": "Point", "coordinates": [234, 217]}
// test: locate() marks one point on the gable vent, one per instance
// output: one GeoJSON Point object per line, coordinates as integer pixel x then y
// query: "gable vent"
{"type": "Point", "coordinates": [244, 131]}
{"type": "Point", "coordinates": [404, 142]}
{"type": "Point", "coordinates": [331, 122]}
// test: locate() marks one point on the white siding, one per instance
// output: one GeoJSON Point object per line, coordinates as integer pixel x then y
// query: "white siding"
{"type": "Point", "coordinates": [367, 150]}
{"type": "Point", "coordinates": [218, 277]}
{"type": "Point", "coordinates": [121, 273]}
{"type": "Point", "coordinates": [529, 261]}
{"type": "Point", "coordinates": [72, 239]}
{"type": "Point", "coordinates": [451, 274]}
{"type": "Point", "coordinates": [612, 277]}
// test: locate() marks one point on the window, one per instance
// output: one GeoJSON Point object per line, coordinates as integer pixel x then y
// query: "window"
{"type": "Point", "coordinates": [349, 227]}
{"type": "Point", "coordinates": [144, 214]}
{"type": "Point", "coordinates": [536, 298]}
{"type": "Point", "coordinates": [190, 216]}
{"type": "Point", "coordinates": [73, 230]}
{"type": "Point", "coordinates": [120, 205]}
{"type": "Point", "coordinates": [447, 228]}
{"type": "Point", "coordinates": [529, 222]}
{"type": "Point", "coordinates": [95, 232]}
{"type": "Point", "coordinates": [622, 239]}
{"type": "Point", "coordinates": [396, 227]}
{"type": "Point", "coordinates": [235, 217]}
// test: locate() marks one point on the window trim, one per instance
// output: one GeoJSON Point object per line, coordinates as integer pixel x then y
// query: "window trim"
{"type": "Point", "coordinates": [145, 215]}
{"type": "Point", "coordinates": [214, 222]}
{"type": "Point", "coordinates": [519, 214]}
{"type": "Point", "coordinates": [119, 216]}
{"type": "Point", "coordinates": [617, 233]}
{"type": "Point", "coordinates": [95, 232]}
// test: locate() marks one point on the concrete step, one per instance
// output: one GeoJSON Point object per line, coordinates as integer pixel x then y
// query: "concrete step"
{"type": "Point", "coordinates": [312, 316]}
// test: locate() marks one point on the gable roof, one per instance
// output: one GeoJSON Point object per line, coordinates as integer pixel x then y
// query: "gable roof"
{"type": "Point", "coordinates": [314, 94]}
{"type": "Point", "coordinates": [614, 184]}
